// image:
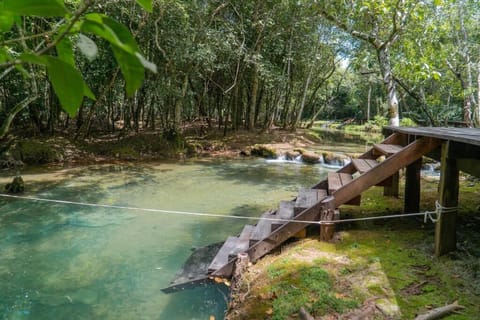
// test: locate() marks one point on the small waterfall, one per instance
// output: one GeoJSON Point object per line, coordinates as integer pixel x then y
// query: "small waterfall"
{"type": "Point", "coordinates": [431, 169]}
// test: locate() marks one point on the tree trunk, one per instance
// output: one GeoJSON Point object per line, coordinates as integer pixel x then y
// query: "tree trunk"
{"type": "Point", "coordinates": [386, 69]}
{"type": "Point", "coordinates": [369, 101]}
{"type": "Point", "coordinates": [179, 105]}
{"type": "Point", "coordinates": [253, 99]}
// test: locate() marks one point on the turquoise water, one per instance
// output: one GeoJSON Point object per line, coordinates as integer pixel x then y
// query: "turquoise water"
{"type": "Point", "coordinates": [62, 261]}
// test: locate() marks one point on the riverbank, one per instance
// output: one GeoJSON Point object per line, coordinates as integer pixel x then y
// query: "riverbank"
{"type": "Point", "coordinates": [195, 142]}
{"type": "Point", "coordinates": [372, 270]}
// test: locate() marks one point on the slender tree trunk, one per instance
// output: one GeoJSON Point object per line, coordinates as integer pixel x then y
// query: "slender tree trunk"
{"type": "Point", "coordinates": [477, 109]}
{"type": "Point", "coordinates": [386, 70]}
{"type": "Point", "coordinates": [369, 101]}
{"type": "Point", "coordinates": [179, 105]}
{"type": "Point", "coordinates": [253, 99]}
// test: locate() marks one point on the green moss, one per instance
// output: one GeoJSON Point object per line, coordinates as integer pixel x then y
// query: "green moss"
{"type": "Point", "coordinates": [263, 151]}
{"type": "Point", "coordinates": [36, 152]}
{"type": "Point", "coordinates": [302, 285]}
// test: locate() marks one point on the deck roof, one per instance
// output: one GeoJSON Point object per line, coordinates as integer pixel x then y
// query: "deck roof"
{"type": "Point", "coordinates": [464, 135]}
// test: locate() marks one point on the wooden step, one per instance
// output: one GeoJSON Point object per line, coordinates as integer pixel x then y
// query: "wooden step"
{"type": "Point", "coordinates": [364, 165]}
{"type": "Point", "coordinates": [263, 227]}
{"type": "Point", "coordinates": [285, 210]}
{"type": "Point", "coordinates": [305, 199]}
{"type": "Point", "coordinates": [322, 194]}
{"type": "Point", "coordinates": [246, 232]}
{"type": "Point", "coordinates": [230, 247]}
{"type": "Point", "coordinates": [386, 149]}
{"type": "Point", "coordinates": [337, 180]}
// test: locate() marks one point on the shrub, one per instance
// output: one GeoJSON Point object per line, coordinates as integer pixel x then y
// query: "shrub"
{"type": "Point", "coordinates": [407, 122]}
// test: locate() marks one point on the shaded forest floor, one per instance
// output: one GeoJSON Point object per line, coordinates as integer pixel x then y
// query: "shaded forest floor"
{"type": "Point", "coordinates": [372, 270]}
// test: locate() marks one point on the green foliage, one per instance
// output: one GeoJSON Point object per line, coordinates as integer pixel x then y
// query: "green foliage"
{"type": "Point", "coordinates": [57, 54]}
{"type": "Point", "coordinates": [407, 122]}
{"type": "Point", "coordinates": [42, 8]}
{"type": "Point", "coordinates": [380, 121]}
{"type": "Point", "coordinates": [36, 152]}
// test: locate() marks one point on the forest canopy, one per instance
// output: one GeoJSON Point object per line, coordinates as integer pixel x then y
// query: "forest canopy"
{"type": "Point", "coordinates": [97, 66]}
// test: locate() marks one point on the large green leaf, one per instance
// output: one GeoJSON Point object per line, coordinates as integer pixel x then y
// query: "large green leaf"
{"type": "Point", "coordinates": [124, 47]}
{"type": "Point", "coordinates": [6, 20]}
{"type": "Point", "coordinates": [115, 33]}
{"type": "Point", "coordinates": [4, 56]}
{"type": "Point", "coordinates": [146, 4]}
{"type": "Point", "coordinates": [68, 84]}
{"type": "Point", "coordinates": [43, 8]}
{"type": "Point", "coordinates": [65, 51]}
{"type": "Point", "coordinates": [34, 59]}
{"type": "Point", "coordinates": [131, 68]}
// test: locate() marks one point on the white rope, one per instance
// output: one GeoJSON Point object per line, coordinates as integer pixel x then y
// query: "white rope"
{"type": "Point", "coordinates": [439, 209]}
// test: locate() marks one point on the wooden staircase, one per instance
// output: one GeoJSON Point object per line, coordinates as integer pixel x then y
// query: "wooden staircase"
{"type": "Point", "coordinates": [319, 202]}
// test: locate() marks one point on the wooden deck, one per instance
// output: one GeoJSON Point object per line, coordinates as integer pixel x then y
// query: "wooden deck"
{"type": "Point", "coordinates": [456, 148]}
{"type": "Point", "coordinates": [469, 136]}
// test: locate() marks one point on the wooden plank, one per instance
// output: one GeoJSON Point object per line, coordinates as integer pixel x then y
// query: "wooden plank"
{"type": "Point", "coordinates": [408, 155]}
{"type": "Point", "coordinates": [445, 227]}
{"type": "Point", "coordinates": [464, 135]}
{"type": "Point", "coordinates": [392, 189]}
{"type": "Point", "coordinates": [322, 193]}
{"type": "Point", "coordinates": [246, 232]}
{"type": "Point", "coordinates": [412, 187]}
{"type": "Point", "coordinates": [305, 199]}
{"type": "Point", "coordinates": [195, 269]}
{"type": "Point", "coordinates": [231, 247]}
{"type": "Point", "coordinates": [263, 227]}
{"type": "Point", "coordinates": [285, 210]}
{"type": "Point", "coordinates": [364, 165]}
{"type": "Point", "coordinates": [337, 180]}
{"type": "Point", "coordinates": [386, 149]}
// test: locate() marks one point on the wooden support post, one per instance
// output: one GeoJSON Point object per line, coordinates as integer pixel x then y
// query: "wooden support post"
{"type": "Point", "coordinates": [412, 187]}
{"type": "Point", "coordinates": [327, 213]}
{"type": "Point", "coordinates": [445, 229]}
{"type": "Point", "coordinates": [392, 190]}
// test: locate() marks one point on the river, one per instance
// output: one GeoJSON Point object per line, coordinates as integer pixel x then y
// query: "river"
{"type": "Point", "coordinates": [66, 261]}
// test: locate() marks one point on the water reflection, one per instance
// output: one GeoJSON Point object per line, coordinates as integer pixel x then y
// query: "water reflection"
{"type": "Point", "coordinates": [72, 262]}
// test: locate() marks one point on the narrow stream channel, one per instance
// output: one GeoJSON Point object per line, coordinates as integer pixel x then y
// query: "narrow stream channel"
{"type": "Point", "coordinates": [62, 261]}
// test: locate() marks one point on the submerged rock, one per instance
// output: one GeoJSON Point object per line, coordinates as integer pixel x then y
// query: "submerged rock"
{"type": "Point", "coordinates": [16, 186]}
{"type": "Point", "coordinates": [292, 155]}
{"type": "Point", "coordinates": [263, 151]}
{"type": "Point", "coordinates": [310, 157]}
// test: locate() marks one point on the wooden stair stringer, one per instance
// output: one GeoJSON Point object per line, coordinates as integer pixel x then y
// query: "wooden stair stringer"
{"type": "Point", "coordinates": [395, 138]}
{"type": "Point", "coordinates": [385, 169]}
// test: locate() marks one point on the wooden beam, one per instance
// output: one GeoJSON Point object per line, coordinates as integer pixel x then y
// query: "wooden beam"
{"type": "Point", "coordinates": [392, 189]}
{"type": "Point", "coordinates": [412, 187]}
{"type": "Point", "coordinates": [445, 229]}
{"type": "Point", "coordinates": [327, 230]}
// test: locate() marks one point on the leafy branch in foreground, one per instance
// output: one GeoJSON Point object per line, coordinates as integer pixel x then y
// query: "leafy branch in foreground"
{"type": "Point", "coordinates": [53, 49]}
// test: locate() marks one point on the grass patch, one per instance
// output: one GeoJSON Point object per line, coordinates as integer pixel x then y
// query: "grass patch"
{"type": "Point", "coordinates": [295, 286]}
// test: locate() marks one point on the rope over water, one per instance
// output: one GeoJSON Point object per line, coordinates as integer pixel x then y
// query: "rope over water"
{"type": "Point", "coordinates": [431, 215]}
